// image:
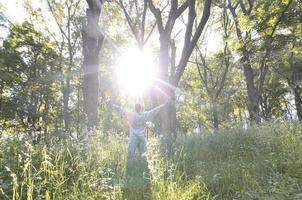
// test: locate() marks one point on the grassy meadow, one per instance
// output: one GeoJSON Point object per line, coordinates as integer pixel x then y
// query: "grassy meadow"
{"type": "Point", "coordinates": [258, 163]}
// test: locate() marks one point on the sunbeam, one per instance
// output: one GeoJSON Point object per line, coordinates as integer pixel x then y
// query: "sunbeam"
{"type": "Point", "coordinates": [136, 72]}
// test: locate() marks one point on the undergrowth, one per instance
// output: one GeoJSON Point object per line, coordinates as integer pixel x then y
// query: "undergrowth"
{"type": "Point", "coordinates": [257, 163]}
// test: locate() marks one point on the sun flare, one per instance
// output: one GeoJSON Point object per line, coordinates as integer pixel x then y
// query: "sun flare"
{"type": "Point", "coordinates": [136, 72]}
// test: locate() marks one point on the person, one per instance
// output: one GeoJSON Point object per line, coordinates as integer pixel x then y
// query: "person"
{"type": "Point", "coordinates": [137, 122]}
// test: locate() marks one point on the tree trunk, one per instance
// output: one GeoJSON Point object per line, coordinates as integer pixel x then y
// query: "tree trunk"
{"type": "Point", "coordinates": [66, 92]}
{"type": "Point", "coordinates": [292, 83]}
{"type": "Point", "coordinates": [67, 88]}
{"type": "Point", "coordinates": [164, 57]}
{"type": "Point", "coordinates": [168, 126]}
{"type": "Point", "coordinates": [215, 116]}
{"type": "Point", "coordinates": [1, 95]}
{"type": "Point", "coordinates": [170, 81]}
{"type": "Point", "coordinates": [298, 102]}
{"type": "Point", "coordinates": [92, 43]}
{"type": "Point", "coordinates": [253, 106]}
{"type": "Point", "coordinates": [78, 110]}
{"type": "Point", "coordinates": [168, 115]}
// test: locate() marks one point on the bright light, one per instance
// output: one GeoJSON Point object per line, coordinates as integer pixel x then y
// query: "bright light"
{"type": "Point", "coordinates": [136, 72]}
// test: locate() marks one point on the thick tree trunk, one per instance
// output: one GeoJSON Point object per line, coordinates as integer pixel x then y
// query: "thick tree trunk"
{"type": "Point", "coordinates": [169, 123]}
{"type": "Point", "coordinates": [164, 60]}
{"type": "Point", "coordinates": [252, 95]}
{"type": "Point", "coordinates": [168, 115]}
{"type": "Point", "coordinates": [292, 83]}
{"type": "Point", "coordinates": [92, 43]}
{"type": "Point", "coordinates": [253, 100]}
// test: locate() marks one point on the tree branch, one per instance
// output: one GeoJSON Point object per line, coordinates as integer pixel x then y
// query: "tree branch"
{"type": "Point", "coordinates": [150, 33]}
{"type": "Point", "coordinates": [144, 23]}
{"type": "Point", "coordinates": [157, 14]}
{"type": "Point", "coordinates": [173, 58]}
{"type": "Point", "coordinates": [268, 48]}
{"type": "Point", "coordinates": [245, 12]}
{"type": "Point", "coordinates": [129, 21]}
{"type": "Point", "coordinates": [182, 8]}
{"type": "Point", "coordinates": [57, 21]}
{"type": "Point", "coordinates": [171, 17]}
{"type": "Point", "coordinates": [191, 18]}
{"type": "Point", "coordinates": [186, 54]}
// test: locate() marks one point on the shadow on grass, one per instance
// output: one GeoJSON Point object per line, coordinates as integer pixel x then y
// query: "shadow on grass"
{"type": "Point", "coordinates": [137, 180]}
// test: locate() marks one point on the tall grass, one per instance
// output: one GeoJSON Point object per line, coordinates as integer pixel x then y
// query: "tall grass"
{"type": "Point", "coordinates": [258, 163]}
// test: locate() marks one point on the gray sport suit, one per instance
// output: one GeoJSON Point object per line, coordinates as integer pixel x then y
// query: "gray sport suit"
{"type": "Point", "coordinates": [137, 124]}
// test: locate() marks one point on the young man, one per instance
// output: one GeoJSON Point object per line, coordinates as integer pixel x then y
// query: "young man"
{"type": "Point", "coordinates": [137, 122]}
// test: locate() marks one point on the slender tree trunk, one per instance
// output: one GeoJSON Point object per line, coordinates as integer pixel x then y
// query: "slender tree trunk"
{"type": "Point", "coordinates": [69, 75]}
{"type": "Point", "coordinates": [92, 43]}
{"type": "Point", "coordinates": [78, 110]}
{"type": "Point", "coordinates": [45, 118]}
{"type": "Point", "coordinates": [67, 89]}
{"type": "Point", "coordinates": [1, 94]}
{"type": "Point", "coordinates": [215, 116]}
{"type": "Point", "coordinates": [240, 117]}
{"type": "Point", "coordinates": [66, 93]}
{"type": "Point", "coordinates": [298, 101]}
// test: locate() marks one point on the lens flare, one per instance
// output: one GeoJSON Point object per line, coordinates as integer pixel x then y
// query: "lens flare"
{"type": "Point", "coordinates": [135, 72]}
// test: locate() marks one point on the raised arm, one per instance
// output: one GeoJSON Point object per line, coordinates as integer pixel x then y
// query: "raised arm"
{"type": "Point", "coordinates": [122, 112]}
{"type": "Point", "coordinates": [151, 113]}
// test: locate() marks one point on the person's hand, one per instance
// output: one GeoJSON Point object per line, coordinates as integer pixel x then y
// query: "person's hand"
{"type": "Point", "coordinates": [115, 105]}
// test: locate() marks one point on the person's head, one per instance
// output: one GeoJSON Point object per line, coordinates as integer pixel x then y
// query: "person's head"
{"type": "Point", "coordinates": [138, 108]}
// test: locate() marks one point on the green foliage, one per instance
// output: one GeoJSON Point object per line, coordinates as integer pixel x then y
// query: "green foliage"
{"type": "Point", "coordinates": [66, 170]}
{"type": "Point", "coordinates": [28, 72]}
{"type": "Point", "coordinates": [196, 103]}
{"type": "Point", "coordinates": [247, 164]}
{"type": "Point", "coordinates": [92, 169]}
{"type": "Point", "coordinates": [262, 163]}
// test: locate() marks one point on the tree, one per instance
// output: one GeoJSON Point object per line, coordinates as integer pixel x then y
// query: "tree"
{"type": "Point", "coordinates": [27, 69]}
{"type": "Point", "coordinates": [266, 28]}
{"type": "Point", "coordinates": [92, 43]}
{"type": "Point", "coordinates": [294, 58]}
{"type": "Point", "coordinates": [170, 76]}
{"type": "Point", "coordinates": [136, 16]}
{"type": "Point", "coordinates": [67, 15]}
{"type": "Point", "coordinates": [213, 73]}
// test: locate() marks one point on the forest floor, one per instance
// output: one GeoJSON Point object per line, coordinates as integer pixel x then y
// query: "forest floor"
{"type": "Point", "coordinates": [257, 163]}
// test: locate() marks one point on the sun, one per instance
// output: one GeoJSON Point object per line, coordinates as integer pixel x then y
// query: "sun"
{"type": "Point", "coordinates": [136, 72]}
